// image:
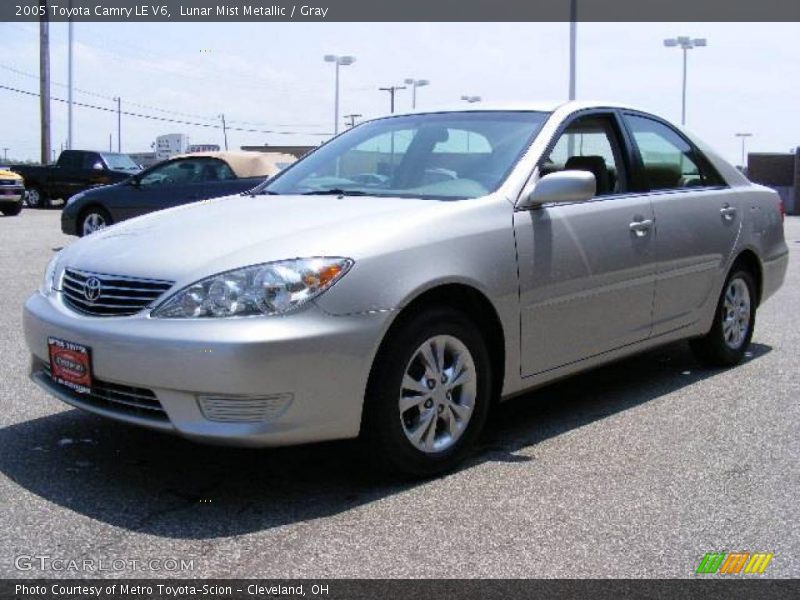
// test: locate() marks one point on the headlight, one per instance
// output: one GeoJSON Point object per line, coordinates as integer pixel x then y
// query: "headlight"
{"type": "Point", "coordinates": [267, 289]}
{"type": "Point", "coordinates": [49, 276]}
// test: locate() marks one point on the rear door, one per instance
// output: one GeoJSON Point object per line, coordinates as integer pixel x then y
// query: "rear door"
{"type": "Point", "coordinates": [586, 268]}
{"type": "Point", "coordinates": [697, 220]}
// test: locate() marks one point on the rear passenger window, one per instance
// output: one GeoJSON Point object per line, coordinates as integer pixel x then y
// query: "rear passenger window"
{"type": "Point", "coordinates": [669, 161]}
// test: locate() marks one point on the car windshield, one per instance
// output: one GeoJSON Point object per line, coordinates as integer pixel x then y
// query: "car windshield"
{"type": "Point", "coordinates": [446, 156]}
{"type": "Point", "coordinates": [120, 162]}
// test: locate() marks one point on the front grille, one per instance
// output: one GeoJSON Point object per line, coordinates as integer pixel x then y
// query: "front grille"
{"type": "Point", "coordinates": [103, 295]}
{"type": "Point", "coordinates": [124, 399]}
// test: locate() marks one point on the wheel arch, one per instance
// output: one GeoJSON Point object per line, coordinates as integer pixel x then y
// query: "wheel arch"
{"type": "Point", "coordinates": [749, 260]}
{"type": "Point", "coordinates": [475, 305]}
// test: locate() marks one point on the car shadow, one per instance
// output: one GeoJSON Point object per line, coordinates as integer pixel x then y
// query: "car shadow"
{"type": "Point", "coordinates": [166, 486]}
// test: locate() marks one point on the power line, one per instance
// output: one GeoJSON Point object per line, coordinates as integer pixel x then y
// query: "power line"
{"type": "Point", "coordinates": [168, 120]}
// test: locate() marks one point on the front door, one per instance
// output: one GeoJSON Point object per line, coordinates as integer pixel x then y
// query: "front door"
{"type": "Point", "coordinates": [586, 269]}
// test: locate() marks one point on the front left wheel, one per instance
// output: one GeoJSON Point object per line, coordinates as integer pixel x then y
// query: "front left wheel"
{"type": "Point", "coordinates": [429, 394]}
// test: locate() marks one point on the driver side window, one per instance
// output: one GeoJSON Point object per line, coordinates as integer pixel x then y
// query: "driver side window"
{"type": "Point", "coordinates": [175, 172]}
{"type": "Point", "coordinates": [589, 144]}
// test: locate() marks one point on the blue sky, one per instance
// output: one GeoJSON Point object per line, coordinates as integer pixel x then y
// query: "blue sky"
{"type": "Point", "coordinates": [272, 76]}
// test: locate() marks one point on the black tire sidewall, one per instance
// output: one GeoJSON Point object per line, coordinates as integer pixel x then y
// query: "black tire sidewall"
{"type": "Point", "coordinates": [382, 427]}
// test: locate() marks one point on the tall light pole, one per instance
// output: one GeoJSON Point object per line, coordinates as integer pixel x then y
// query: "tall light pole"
{"type": "Point", "coordinates": [119, 123]}
{"type": "Point", "coordinates": [415, 83]}
{"type": "Point", "coordinates": [744, 136]}
{"type": "Point", "coordinates": [44, 83]}
{"type": "Point", "coordinates": [5, 154]}
{"type": "Point", "coordinates": [340, 61]}
{"type": "Point", "coordinates": [69, 79]}
{"type": "Point", "coordinates": [392, 89]}
{"type": "Point", "coordinates": [685, 43]}
{"type": "Point", "coordinates": [573, 39]}
{"type": "Point", "coordinates": [471, 99]}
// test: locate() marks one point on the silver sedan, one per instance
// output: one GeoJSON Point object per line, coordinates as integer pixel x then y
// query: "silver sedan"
{"type": "Point", "coordinates": [398, 280]}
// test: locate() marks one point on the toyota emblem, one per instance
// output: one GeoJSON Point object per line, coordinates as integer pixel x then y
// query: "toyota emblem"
{"type": "Point", "coordinates": [92, 289]}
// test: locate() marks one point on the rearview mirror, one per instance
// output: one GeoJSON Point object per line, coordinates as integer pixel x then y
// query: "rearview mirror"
{"type": "Point", "coordinates": [561, 186]}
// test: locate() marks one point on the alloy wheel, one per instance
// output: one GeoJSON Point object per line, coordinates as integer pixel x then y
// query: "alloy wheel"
{"type": "Point", "coordinates": [437, 396]}
{"type": "Point", "coordinates": [736, 313]}
{"type": "Point", "coordinates": [93, 222]}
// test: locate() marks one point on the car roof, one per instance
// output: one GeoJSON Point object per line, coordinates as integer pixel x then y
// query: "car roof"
{"type": "Point", "coordinates": [247, 164]}
{"type": "Point", "coordinates": [542, 106]}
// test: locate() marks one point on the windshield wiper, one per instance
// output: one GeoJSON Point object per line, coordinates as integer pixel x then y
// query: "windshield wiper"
{"type": "Point", "coordinates": [260, 193]}
{"type": "Point", "coordinates": [335, 192]}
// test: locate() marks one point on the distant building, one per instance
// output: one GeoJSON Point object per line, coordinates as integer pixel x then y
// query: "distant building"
{"type": "Point", "coordinates": [296, 151]}
{"type": "Point", "coordinates": [779, 171]}
{"type": "Point", "coordinates": [171, 144]}
{"type": "Point", "coordinates": [203, 148]}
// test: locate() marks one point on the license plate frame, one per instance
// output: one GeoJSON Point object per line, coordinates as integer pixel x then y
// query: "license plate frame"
{"type": "Point", "coordinates": [70, 364]}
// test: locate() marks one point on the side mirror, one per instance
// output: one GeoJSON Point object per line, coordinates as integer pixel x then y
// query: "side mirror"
{"type": "Point", "coordinates": [561, 186]}
{"type": "Point", "coordinates": [98, 166]}
{"type": "Point", "coordinates": [134, 181]}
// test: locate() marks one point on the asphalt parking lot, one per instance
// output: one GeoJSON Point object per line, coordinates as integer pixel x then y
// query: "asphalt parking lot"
{"type": "Point", "coordinates": [633, 470]}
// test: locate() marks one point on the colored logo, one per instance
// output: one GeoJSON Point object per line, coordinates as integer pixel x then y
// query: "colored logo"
{"type": "Point", "coordinates": [733, 563]}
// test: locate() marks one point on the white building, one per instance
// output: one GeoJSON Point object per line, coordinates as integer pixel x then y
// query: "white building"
{"type": "Point", "coordinates": [171, 144]}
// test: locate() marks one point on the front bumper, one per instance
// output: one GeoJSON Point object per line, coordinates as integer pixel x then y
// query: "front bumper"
{"type": "Point", "coordinates": [11, 195]}
{"type": "Point", "coordinates": [318, 364]}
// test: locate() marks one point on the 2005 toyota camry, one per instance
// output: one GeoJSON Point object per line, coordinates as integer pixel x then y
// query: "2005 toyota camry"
{"type": "Point", "coordinates": [399, 279]}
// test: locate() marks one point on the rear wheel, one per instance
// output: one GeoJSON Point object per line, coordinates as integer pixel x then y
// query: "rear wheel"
{"type": "Point", "coordinates": [93, 219]}
{"type": "Point", "coordinates": [725, 344]}
{"type": "Point", "coordinates": [428, 395]}
{"type": "Point", "coordinates": [36, 198]}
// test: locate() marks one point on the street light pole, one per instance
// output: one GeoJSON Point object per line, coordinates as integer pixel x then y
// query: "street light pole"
{"type": "Point", "coordinates": [685, 43]}
{"type": "Point", "coordinates": [224, 130]}
{"type": "Point", "coordinates": [744, 137]}
{"type": "Point", "coordinates": [338, 61]}
{"type": "Point", "coordinates": [5, 154]}
{"type": "Point", "coordinates": [573, 38]}
{"type": "Point", "coordinates": [119, 123]}
{"type": "Point", "coordinates": [415, 83]}
{"type": "Point", "coordinates": [69, 80]}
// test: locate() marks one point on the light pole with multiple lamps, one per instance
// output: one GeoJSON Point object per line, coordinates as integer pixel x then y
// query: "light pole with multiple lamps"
{"type": "Point", "coordinates": [685, 43]}
{"type": "Point", "coordinates": [471, 99]}
{"type": "Point", "coordinates": [415, 83]}
{"type": "Point", "coordinates": [340, 61]}
{"type": "Point", "coordinates": [744, 136]}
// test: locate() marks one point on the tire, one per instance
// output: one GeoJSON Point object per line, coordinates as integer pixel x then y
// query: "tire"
{"type": "Point", "coordinates": [36, 198]}
{"type": "Point", "coordinates": [455, 418]}
{"type": "Point", "coordinates": [92, 219]}
{"type": "Point", "coordinates": [734, 321]}
{"type": "Point", "coordinates": [12, 211]}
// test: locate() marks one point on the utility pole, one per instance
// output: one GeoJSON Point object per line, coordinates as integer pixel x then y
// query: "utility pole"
{"type": "Point", "coordinates": [352, 118]}
{"type": "Point", "coordinates": [44, 83]}
{"type": "Point", "coordinates": [109, 142]}
{"type": "Point", "coordinates": [573, 38]}
{"type": "Point", "coordinates": [5, 154]}
{"type": "Point", "coordinates": [224, 130]}
{"type": "Point", "coordinates": [119, 123]}
{"type": "Point", "coordinates": [69, 80]}
{"type": "Point", "coordinates": [744, 136]}
{"type": "Point", "coordinates": [392, 91]}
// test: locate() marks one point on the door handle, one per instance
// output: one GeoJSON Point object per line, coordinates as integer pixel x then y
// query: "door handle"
{"type": "Point", "coordinates": [728, 212]}
{"type": "Point", "coordinates": [640, 228]}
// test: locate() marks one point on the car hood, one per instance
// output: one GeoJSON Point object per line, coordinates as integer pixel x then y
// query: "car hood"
{"type": "Point", "coordinates": [188, 242]}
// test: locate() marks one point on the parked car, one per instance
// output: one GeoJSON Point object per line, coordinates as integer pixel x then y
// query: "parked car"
{"type": "Point", "coordinates": [180, 180]}
{"type": "Point", "coordinates": [398, 309]}
{"type": "Point", "coordinates": [12, 190]}
{"type": "Point", "coordinates": [74, 171]}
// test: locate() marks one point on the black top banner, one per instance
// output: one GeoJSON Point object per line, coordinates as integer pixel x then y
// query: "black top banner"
{"type": "Point", "coordinates": [401, 10]}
